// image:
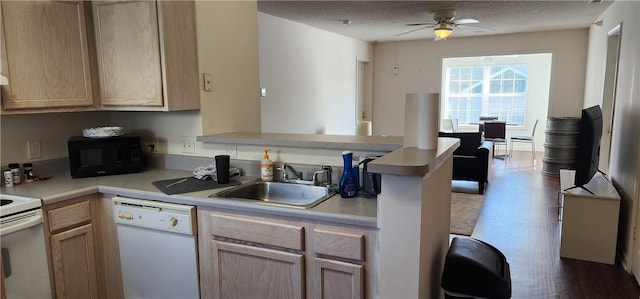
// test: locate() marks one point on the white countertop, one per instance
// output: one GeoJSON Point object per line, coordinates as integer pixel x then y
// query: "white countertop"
{"type": "Point", "coordinates": [354, 211]}
{"type": "Point", "coordinates": [412, 161]}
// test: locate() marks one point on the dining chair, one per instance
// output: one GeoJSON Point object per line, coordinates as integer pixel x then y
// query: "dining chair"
{"type": "Point", "coordinates": [526, 139]}
{"type": "Point", "coordinates": [484, 119]}
{"type": "Point", "coordinates": [495, 131]}
{"type": "Point", "coordinates": [454, 125]}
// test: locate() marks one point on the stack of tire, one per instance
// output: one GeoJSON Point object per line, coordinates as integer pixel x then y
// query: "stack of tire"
{"type": "Point", "coordinates": [560, 144]}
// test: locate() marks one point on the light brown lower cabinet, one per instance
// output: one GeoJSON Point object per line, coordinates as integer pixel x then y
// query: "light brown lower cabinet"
{"type": "Point", "coordinates": [74, 263]}
{"type": "Point", "coordinates": [244, 271]}
{"type": "Point", "coordinates": [82, 248]}
{"type": "Point", "coordinates": [70, 231]}
{"type": "Point", "coordinates": [247, 255]}
{"type": "Point", "coordinates": [336, 279]}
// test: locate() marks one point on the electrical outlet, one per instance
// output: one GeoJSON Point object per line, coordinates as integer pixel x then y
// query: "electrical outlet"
{"type": "Point", "coordinates": [231, 150]}
{"type": "Point", "coordinates": [207, 81]}
{"type": "Point", "coordinates": [33, 149]}
{"type": "Point", "coordinates": [188, 144]}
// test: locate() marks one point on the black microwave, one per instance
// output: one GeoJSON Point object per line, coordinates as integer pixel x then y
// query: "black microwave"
{"type": "Point", "coordinates": [90, 157]}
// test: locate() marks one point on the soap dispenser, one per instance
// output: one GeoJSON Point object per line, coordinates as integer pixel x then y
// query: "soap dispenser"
{"type": "Point", "coordinates": [348, 183]}
{"type": "Point", "coordinates": [266, 167]}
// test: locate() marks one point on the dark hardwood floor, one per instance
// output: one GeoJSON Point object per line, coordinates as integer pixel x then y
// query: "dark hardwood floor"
{"type": "Point", "coordinates": [519, 217]}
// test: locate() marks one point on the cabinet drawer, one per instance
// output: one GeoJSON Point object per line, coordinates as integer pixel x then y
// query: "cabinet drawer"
{"type": "Point", "coordinates": [339, 244]}
{"type": "Point", "coordinates": [257, 231]}
{"type": "Point", "coordinates": [70, 215]}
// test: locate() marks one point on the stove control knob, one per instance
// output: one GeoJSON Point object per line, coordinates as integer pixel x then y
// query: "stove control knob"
{"type": "Point", "coordinates": [174, 222]}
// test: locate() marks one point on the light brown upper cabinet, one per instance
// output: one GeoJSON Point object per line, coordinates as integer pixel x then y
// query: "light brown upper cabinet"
{"type": "Point", "coordinates": [46, 56]}
{"type": "Point", "coordinates": [147, 55]}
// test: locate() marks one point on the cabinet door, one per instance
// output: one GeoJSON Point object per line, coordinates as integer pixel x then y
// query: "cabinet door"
{"type": "Point", "coordinates": [128, 47]}
{"type": "Point", "coordinates": [74, 266]}
{"type": "Point", "coordinates": [47, 56]}
{"type": "Point", "coordinates": [242, 271]}
{"type": "Point", "coordinates": [338, 279]}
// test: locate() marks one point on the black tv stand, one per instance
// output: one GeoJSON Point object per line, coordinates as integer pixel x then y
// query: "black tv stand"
{"type": "Point", "coordinates": [584, 188]}
{"type": "Point", "coordinates": [606, 177]}
{"type": "Point", "coordinates": [581, 186]}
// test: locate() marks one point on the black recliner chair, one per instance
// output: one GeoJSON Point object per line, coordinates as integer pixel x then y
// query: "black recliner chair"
{"type": "Point", "coordinates": [471, 159]}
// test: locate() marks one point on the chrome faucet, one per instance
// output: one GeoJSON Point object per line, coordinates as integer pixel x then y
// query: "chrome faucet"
{"type": "Point", "coordinates": [298, 177]}
{"type": "Point", "coordinates": [327, 170]}
{"type": "Point", "coordinates": [285, 174]}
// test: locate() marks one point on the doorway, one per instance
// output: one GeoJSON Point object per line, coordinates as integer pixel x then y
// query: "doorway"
{"type": "Point", "coordinates": [609, 95]}
{"type": "Point", "coordinates": [363, 91]}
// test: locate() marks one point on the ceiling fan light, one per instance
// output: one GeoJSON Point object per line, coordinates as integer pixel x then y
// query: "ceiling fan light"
{"type": "Point", "coordinates": [442, 32]}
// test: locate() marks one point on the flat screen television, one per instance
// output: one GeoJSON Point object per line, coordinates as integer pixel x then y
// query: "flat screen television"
{"type": "Point", "coordinates": [588, 150]}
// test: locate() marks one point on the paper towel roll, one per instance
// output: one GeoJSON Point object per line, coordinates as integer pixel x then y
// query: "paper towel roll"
{"type": "Point", "coordinates": [421, 114]}
{"type": "Point", "coordinates": [363, 128]}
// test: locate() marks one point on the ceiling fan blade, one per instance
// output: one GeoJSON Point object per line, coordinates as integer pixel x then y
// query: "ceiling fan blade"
{"type": "Point", "coordinates": [422, 24]}
{"type": "Point", "coordinates": [466, 21]}
{"type": "Point", "coordinates": [476, 28]}
{"type": "Point", "coordinates": [414, 30]}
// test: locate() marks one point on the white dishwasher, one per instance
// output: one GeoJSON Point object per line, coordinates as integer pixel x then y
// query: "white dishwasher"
{"type": "Point", "coordinates": [158, 249]}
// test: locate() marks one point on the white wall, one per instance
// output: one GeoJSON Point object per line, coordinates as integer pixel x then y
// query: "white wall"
{"type": "Point", "coordinates": [52, 129]}
{"type": "Point", "coordinates": [310, 77]}
{"type": "Point", "coordinates": [420, 71]}
{"type": "Point", "coordinates": [624, 166]}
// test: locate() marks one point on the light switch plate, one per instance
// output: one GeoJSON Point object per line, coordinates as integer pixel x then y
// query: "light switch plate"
{"type": "Point", "coordinates": [34, 149]}
{"type": "Point", "coordinates": [188, 144]}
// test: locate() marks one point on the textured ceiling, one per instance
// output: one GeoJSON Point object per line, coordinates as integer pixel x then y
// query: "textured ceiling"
{"type": "Point", "coordinates": [375, 21]}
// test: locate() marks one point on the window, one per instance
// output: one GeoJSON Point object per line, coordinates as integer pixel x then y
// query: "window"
{"type": "Point", "coordinates": [498, 90]}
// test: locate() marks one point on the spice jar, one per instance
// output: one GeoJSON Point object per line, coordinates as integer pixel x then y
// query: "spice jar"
{"type": "Point", "coordinates": [28, 172]}
{"type": "Point", "coordinates": [8, 178]}
{"type": "Point", "coordinates": [15, 171]}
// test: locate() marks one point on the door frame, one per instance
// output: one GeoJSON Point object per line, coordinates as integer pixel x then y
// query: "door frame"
{"type": "Point", "coordinates": [364, 90]}
{"type": "Point", "coordinates": [612, 62]}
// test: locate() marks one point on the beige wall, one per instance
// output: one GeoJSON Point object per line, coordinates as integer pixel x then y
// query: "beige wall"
{"type": "Point", "coordinates": [228, 49]}
{"type": "Point", "coordinates": [310, 77]}
{"type": "Point", "coordinates": [420, 69]}
{"type": "Point", "coordinates": [624, 166]}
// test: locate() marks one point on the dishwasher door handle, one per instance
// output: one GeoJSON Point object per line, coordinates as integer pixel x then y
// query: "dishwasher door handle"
{"type": "Point", "coordinates": [127, 216]}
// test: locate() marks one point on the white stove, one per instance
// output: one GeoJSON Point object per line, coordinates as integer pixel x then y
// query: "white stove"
{"type": "Point", "coordinates": [12, 204]}
{"type": "Point", "coordinates": [24, 259]}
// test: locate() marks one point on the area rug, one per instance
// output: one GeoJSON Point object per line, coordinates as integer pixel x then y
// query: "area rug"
{"type": "Point", "coordinates": [465, 209]}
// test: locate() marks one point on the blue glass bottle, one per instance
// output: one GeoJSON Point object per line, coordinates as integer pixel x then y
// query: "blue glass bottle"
{"type": "Point", "coordinates": [348, 184]}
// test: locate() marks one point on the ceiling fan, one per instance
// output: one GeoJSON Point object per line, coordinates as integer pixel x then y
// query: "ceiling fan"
{"type": "Point", "coordinates": [443, 25]}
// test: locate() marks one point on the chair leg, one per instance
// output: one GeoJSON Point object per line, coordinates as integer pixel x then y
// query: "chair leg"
{"type": "Point", "coordinates": [533, 150]}
{"type": "Point", "coordinates": [511, 151]}
{"type": "Point", "coordinates": [481, 187]}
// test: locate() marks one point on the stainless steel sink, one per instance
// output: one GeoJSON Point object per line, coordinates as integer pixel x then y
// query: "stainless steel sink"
{"type": "Point", "coordinates": [286, 194]}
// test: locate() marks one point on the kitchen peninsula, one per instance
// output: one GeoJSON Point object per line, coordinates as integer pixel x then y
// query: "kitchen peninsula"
{"type": "Point", "coordinates": [413, 209]}
{"type": "Point", "coordinates": [402, 236]}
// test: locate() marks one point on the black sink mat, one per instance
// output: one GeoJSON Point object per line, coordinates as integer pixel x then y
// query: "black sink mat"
{"type": "Point", "coordinates": [190, 185]}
